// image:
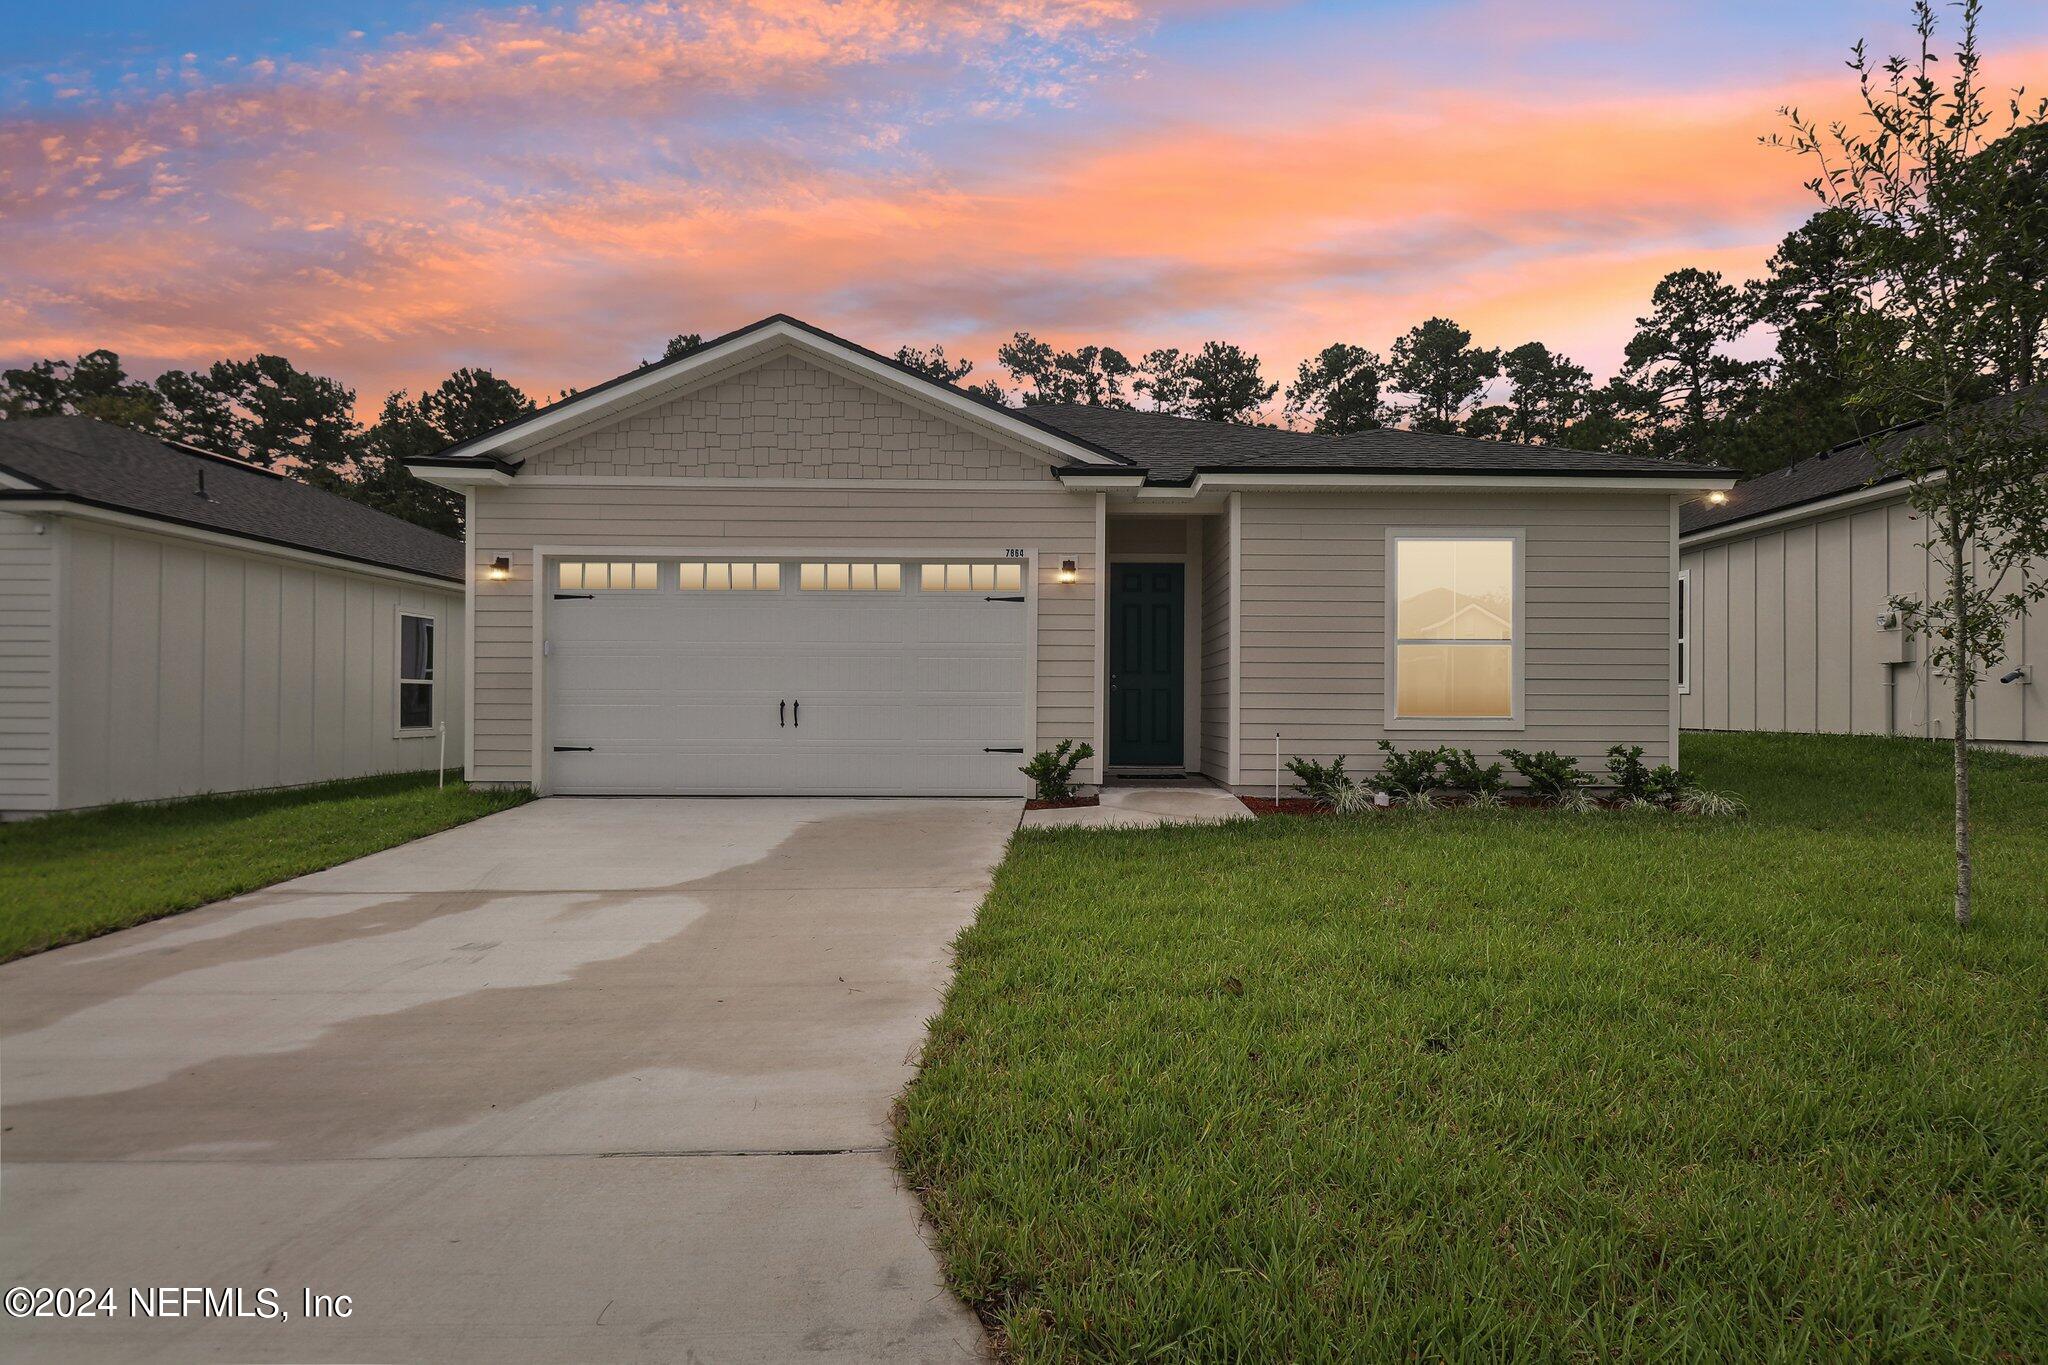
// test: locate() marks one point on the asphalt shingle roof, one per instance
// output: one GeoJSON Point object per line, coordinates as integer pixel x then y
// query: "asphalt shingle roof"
{"type": "Point", "coordinates": [127, 471]}
{"type": "Point", "coordinates": [1174, 449]}
{"type": "Point", "coordinates": [1844, 469]}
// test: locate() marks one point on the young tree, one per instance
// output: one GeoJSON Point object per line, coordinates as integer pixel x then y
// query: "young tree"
{"type": "Point", "coordinates": [1680, 385]}
{"type": "Point", "coordinates": [1977, 471]}
{"type": "Point", "coordinates": [1548, 395]}
{"type": "Point", "coordinates": [1438, 366]}
{"type": "Point", "coordinates": [1338, 390]}
{"type": "Point", "coordinates": [1225, 385]}
{"type": "Point", "coordinates": [1163, 378]}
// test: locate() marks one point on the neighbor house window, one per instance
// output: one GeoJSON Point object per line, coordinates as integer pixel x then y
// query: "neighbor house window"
{"type": "Point", "coordinates": [606, 576]}
{"type": "Point", "coordinates": [972, 578]}
{"type": "Point", "coordinates": [850, 577]}
{"type": "Point", "coordinates": [729, 577]}
{"type": "Point", "coordinates": [1454, 635]}
{"type": "Point", "coordinates": [415, 672]}
{"type": "Point", "coordinates": [1685, 631]}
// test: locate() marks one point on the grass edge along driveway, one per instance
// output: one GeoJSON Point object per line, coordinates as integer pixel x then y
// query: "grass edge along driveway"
{"type": "Point", "coordinates": [1506, 1085]}
{"type": "Point", "coordinates": [69, 877]}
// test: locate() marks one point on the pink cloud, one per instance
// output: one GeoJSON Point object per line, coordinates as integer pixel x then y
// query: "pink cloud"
{"type": "Point", "coordinates": [552, 196]}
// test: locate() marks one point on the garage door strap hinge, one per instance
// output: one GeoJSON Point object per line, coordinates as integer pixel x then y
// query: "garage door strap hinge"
{"type": "Point", "coordinates": [574, 749]}
{"type": "Point", "coordinates": [1002, 599]}
{"type": "Point", "coordinates": [1018, 750]}
{"type": "Point", "coordinates": [578, 596]}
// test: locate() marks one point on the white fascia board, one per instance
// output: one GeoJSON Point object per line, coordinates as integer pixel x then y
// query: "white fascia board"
{"type": "Point", "coordinates": [461, 480]}
{"type": "Point", "coordinates": [1889, 491]}
{"type": "Point", "coordinates": [1568, 483]}
{"type": "Point", "coordinates": [103, 516]}
{"type": "Point", "coordinates": [677, 373]}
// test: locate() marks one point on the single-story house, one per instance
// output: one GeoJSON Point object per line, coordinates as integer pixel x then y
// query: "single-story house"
{"type": "Point", "coordinates": [175, 622]}
{"type": "Point", "coordinates": [784, 563]}
{"type": "Point", "coordinates": [1785, 591]}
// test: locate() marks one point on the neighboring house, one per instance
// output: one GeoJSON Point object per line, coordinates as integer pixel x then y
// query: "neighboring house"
{"type": "Point", "coordinates": [175, 622]}
{"type": "Point", "coordinates": [783, 563]}
{"type": "Point", "coordinates": [1788, 624]}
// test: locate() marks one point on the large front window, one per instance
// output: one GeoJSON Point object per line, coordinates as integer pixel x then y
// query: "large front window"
{"type": "Point", "coordinates": [1453, 641]}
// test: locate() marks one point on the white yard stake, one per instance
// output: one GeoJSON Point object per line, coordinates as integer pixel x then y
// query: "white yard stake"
{"type": "Point", "coordinates": [441, 767]}
{"type": "Point", "coordinates": [1276, 767]}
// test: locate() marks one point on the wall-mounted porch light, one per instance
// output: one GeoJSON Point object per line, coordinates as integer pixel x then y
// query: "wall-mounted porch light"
{"type": "Point", "coordinates": [500, 570]}
{"type": "Point", "coordinates": [1717, 497]}
{"type": "Point", "coordinates": [1067, 573]}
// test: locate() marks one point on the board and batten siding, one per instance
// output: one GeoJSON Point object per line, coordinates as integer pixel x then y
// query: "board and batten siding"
{"type": "Point", "coordinates": [28, 664]}
{"type": "Point", "coordinates": [783, 520]}
{"type": "Point", "coordinates": [1786, 635]}
{"type": "Point", "coordinates": [1312, 583]}
{"type": "Point", "coordinates": [1216, 617]}
{"type": "Point", "coordinates": [191, 668]}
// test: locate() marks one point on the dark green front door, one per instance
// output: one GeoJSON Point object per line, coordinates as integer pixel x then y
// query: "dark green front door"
{"type": "Point", "coordinates": [1145, 676]}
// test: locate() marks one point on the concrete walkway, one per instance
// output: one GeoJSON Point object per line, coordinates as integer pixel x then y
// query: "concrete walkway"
{"type": "Point", "coordinates": [1144, 807]}
{"type": "Point", "coordinates": [587, 1080]}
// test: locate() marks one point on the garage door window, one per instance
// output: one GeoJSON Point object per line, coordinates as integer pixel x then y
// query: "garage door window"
{"type": "Point", "coordinates": [850, 578]}
{"type": "Point", "coordinates": [605, 576]}
{"type": "Point", "coordinates": [729, 577]}
{"type": "Point", "coordinates": [972, 578]}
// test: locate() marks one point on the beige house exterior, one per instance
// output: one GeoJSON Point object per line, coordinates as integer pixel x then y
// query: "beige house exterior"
{"type": "Point", "coordinates": [1187, 597]}
{"type": "Point", "coordinates": [174, 623]}
{"type": "Point", "coordinates": [1790, 626]}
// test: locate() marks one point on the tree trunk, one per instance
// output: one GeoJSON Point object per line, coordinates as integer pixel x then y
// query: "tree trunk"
{"type": "Point", "coordinates": [1960, 566]}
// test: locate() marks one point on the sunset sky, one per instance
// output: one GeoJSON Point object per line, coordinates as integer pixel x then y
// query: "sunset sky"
{"type": "Point", "coordinates": [387, 189]}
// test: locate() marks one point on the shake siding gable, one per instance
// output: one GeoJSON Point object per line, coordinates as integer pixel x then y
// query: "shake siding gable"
{"type": "Point", "coordinates": [1312, 626]}
{"type": "Point", "coordinates": [785, 418]}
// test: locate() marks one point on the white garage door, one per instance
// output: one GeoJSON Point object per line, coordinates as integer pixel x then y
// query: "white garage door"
{"type": "Point", "coordinates": [872, 678]}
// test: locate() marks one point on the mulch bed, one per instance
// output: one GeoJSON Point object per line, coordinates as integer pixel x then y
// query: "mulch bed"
{"type": "Point", "coordinates": [1033, 803]}
{"type": "Point", "coordinates": [1301, 805]}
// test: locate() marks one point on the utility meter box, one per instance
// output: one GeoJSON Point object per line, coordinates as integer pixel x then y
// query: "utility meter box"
{"type": "Point", "coordinates": [1895, 642]}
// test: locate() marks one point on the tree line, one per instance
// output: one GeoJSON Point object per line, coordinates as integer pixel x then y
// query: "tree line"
{"type": "Point", "coordinates": [1683, 390]}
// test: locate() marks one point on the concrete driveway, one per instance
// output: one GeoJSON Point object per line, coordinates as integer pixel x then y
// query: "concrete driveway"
{"type": "Point", "coordinates": [587, 1080]}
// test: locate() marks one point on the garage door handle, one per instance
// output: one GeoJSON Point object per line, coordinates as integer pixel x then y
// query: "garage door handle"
{"type": "Point", "coordinates": [1002, 599]}
{"type": "Point", "coordinates": [575, 596]}
{"type": "Point", "coordinates": [1018, 750]}
{"type": "Point", "coordinates": [782, 713]}
{"type": "Point", "coordinates": [796, 714]}
{"type": "Point", "coordinates": [574, 749]}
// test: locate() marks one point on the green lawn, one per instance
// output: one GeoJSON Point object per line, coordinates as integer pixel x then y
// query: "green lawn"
{"type": "Point", "coordinates": [1512, 1085]}
{"type": "Point", "coordinates": [70, 877]}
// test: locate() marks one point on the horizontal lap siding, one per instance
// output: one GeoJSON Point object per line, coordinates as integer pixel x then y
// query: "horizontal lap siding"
{"type": "Point", "coordinates": [1312, 584]}
{"type": "Point", "coordinates": [28, 666]}
{"type": "Point", "coordinates": [196, 669]}
{"type": "Point", "coordinates": [1216, 609]}
{"type": "Point", "coordinates": [1786, 635]}
{"type": "Point", "coordinates": [882, 521]}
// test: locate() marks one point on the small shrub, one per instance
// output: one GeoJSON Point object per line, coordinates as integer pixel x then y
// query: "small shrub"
{"type": "Point", "coordinates": [1700, 801]}
{"type": "Point", "coordinates": [1631, 777]}
{"type": "Point", "coordinates": [1052, 770]}
{"type": "Point", "coordinates": [1408, 775]}
{"type": "Point", "coordinates": [1550, 774]}
{"type": "Point", "coordinates": [1667, 784]}
{"type": "Point", "coordinates": [1462, 773]}
{"type": "Point", "coordinates": [1326, 784]}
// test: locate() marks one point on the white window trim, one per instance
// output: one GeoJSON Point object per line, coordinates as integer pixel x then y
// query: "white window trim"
{"type": "Point", "coordinates": [1515, 719]}
{"type": "Point", "coordinates": [1682, 632]}
{"type": "Point", "coordinates": [399, 680]}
